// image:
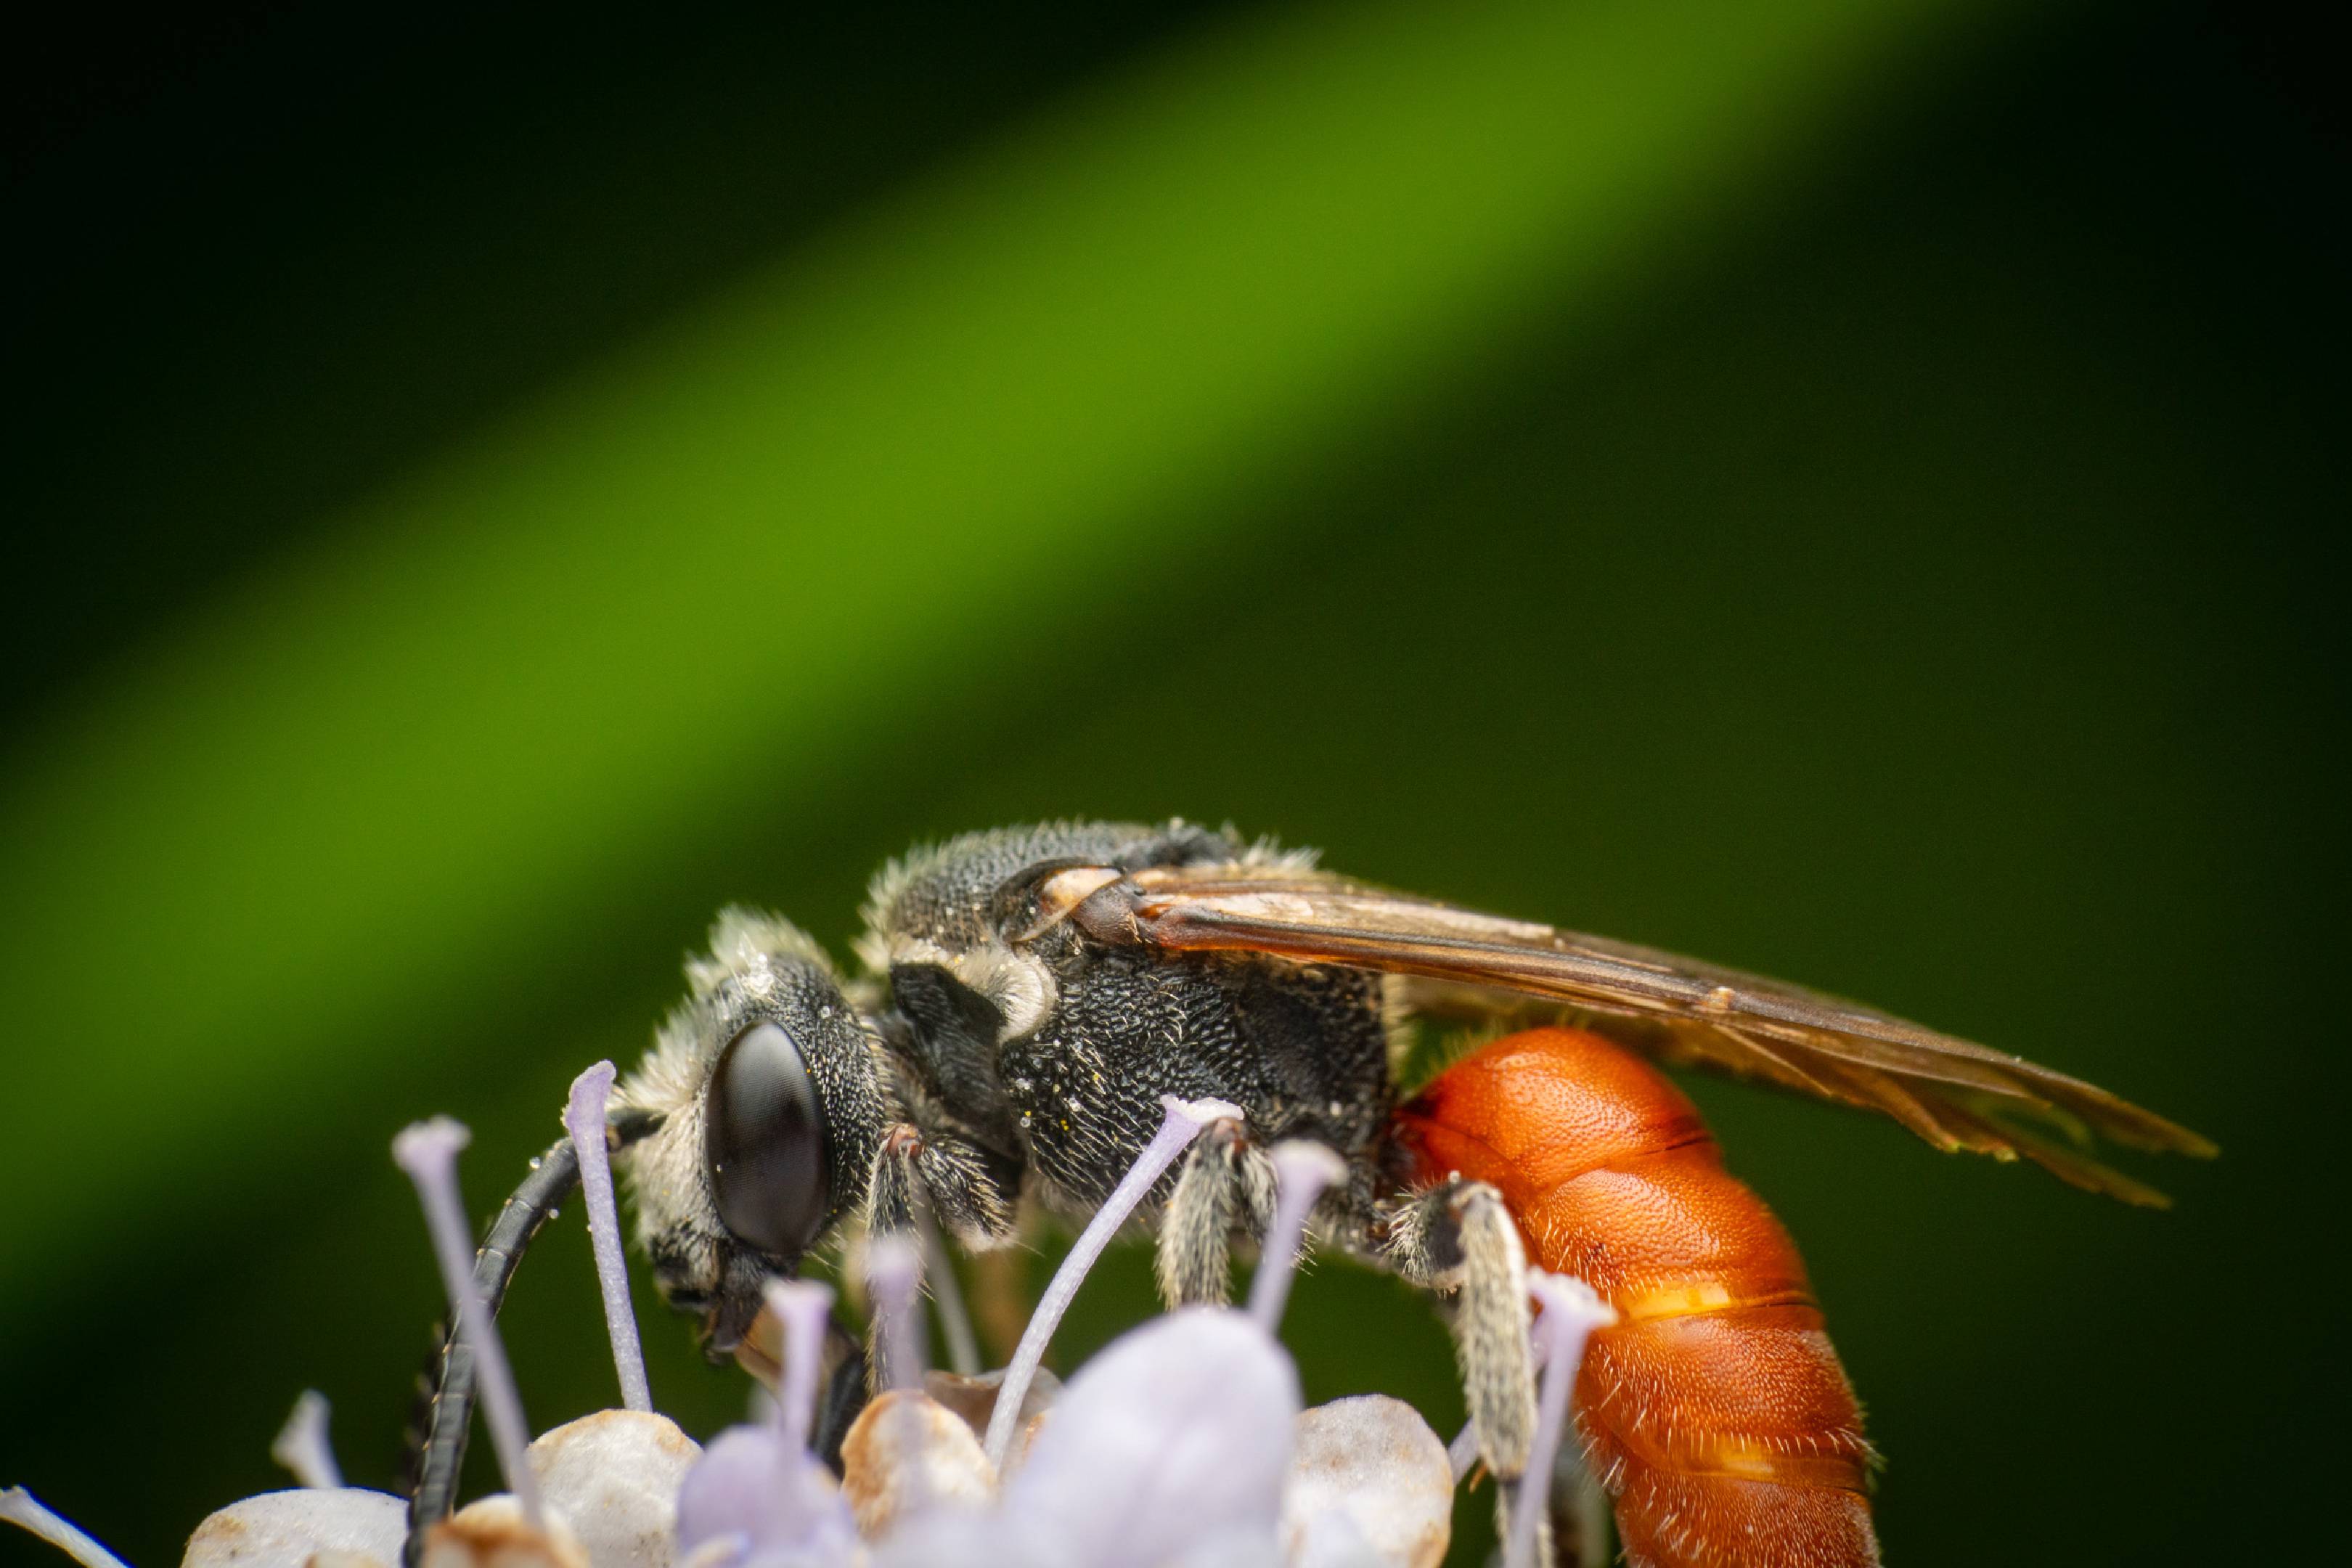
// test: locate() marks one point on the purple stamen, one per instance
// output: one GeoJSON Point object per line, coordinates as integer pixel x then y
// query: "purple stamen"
{"type": "Point", "coordinates": [20, 1508]}
{"type": "Point", "coordinates": [1301, 1171]}
{"type": "Point", "coordinates": [1463, 1452]}
{"type": "Point", "coordinates": [1571, 1312]}
{"type": "Point", "coordinates": [584, 1118]}
{"type": "Point", "coordinates": [1184, 1120]}
{"type": "Point", "coordinates": [302, 1444]}
{"type": "Point", "coordinates": [427, 1151]}
{"type": "Point", "coordinates": [947, 1297]}
{"type": "Point", "coordinates": [894, 1283]}
{"type": "Point", "coordinates": [894, 1274]}
{"type": "Point", "coordinates": [801, 1306]}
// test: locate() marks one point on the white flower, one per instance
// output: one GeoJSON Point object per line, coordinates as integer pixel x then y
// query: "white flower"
{"type": "Point", "coordinates": [286, 1530]}
{"type": "Point", "coordinates": [1181, 1445]}
{"type": "Point", "coordinates": [1369, 1482]}
{"type": "Point", "coordinates": [1179, 1431]}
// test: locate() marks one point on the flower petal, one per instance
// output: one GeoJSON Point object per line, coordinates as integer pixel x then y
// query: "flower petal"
{"type": "Point", "coordinates": [749, 1485]}
{"type": "Point", "coordinates": [974, 1398]}
{"type": "Point", "coordinates": [972, 1540]}
{"type": "Point", "coordinates": [1179, 1431]}
{"type": "Point", "coordinates": [615, 1477]}
{"type": "Point", "coordinates": [1370, 1483]}
{"type": "Point", "coordinates": [1235, 1549]}
{"type": "Point", "coordinates": [908, 1455]}
{"type": "Point", "coordinates": [499, 1532]}
{"type": "Point", "coordinates": [283, 1530]}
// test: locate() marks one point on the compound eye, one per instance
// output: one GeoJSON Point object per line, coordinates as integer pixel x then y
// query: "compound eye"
{"type": "Point", "coordinates": [765, 1139]}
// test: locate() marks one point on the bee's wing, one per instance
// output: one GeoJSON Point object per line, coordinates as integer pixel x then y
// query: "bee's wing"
{"type": "Point", "coordinates": [1953, 1092]}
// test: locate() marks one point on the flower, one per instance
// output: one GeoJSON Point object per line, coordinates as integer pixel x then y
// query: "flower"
{"type": "Point", "coordinates": [1181, 1443]}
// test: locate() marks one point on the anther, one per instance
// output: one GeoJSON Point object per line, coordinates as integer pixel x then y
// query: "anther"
{"type": "Point", "coordinates": [1183, 1123]}
{"type": "Point", "coordinates": [584, 1118]}
{"type": "Point", "coordinates": [427, 1151]}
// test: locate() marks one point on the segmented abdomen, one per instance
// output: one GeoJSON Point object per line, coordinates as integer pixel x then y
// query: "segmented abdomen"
{"type": "Point", "coordinates": [1714, 1410]}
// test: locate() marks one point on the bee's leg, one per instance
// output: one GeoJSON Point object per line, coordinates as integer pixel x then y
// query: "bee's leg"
{"type": "Point", "coordinates": [1459, 1238]}
{"type": "Point", "coordinates": [966, 1190]}
{"type": "Point", "coordinates": [1224, 1182]}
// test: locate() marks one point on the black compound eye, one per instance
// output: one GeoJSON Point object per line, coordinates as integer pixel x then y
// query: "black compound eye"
{"type": "Point", "coordinates": [764, 1138]}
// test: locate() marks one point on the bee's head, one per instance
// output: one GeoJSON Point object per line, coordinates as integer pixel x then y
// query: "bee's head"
{"type": "Point", "coordinates": [764, 1098]}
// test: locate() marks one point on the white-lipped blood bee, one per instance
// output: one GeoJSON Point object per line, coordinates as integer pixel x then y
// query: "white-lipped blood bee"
{"type": "Point", "coordinates": [1032, 992]}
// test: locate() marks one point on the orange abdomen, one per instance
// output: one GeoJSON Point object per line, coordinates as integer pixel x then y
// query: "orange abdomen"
{"type": "Point", "coordinates": [1714, 1410]}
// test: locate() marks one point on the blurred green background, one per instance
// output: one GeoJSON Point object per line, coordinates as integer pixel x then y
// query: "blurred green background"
{"type": "Point", "coordinates": [1839, 488]}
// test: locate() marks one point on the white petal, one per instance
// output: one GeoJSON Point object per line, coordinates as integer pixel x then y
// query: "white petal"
{"type": "Point", "coordinates": [1251, 1548]}
{"type": "Point", "coordinates": [949, 1538]}
{"type": "Point", "coordinates": [972, 1540]}
{"type": "Point", "coordinates": [283, 1530]}
{"type": "Point", "coordinates": [493, 1533]}
{"type": "Point", "coordinates": [906, 1455]}
{"type": "Point", "coordinates": [614, 1477]}
{"type": "Point", "coordinates": [1334, 1543]}
{"type": "Point", "coordinates": [973, 1396]}
{"type": "Point", "coordinates": [747, 1485]}
{"type": "Point", "coordinates": [1370, 1483]}
{"type": "Point", "coordinates": [1179, 1432]}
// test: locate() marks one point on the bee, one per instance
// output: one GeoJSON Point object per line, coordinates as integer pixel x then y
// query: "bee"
{"type": "Point", "coordinates": [1032, 992]}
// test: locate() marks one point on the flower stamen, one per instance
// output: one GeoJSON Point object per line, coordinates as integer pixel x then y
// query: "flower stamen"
{"type": "Point", "coordinates": [1571, 1312]}
{"type": "Point", "coordinates": [427, 1151]}
{"type": "Point", "coordinates": [801, 1306]}
{"type": "Point", "coordinates": [1184, 1120]}
{"type": "Point", "coordinates": [302, 1444]}
{"type": "Point", "coordinates": [947, 1298]}
{"type": "Point", "coordinates": [1302, 1170]}
{"type": "Point", "coordinates": [894, 1274]}
{"type": "Point", "coordinates": [21, 1509]}
{"type": "Point", "coordinates": [1462, 1454]}
{"type": "Point", "coordinates": [584, 1118]}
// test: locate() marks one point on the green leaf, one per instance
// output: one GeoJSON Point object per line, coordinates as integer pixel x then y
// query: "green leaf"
{"type": "Point", "coordinates": [668, 593]}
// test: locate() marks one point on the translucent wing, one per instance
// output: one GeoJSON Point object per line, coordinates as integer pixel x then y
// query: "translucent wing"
{"type": "Point", "coordinates": [1952, 1092]}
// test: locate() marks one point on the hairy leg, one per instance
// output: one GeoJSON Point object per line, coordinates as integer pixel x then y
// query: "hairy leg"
{"type": "Point", "coordinates": [1459, 1238]}
{"type": "Point", "coordinates": [962, 1185]}
{"type": "Point", "coordinates": [1226, 1186]}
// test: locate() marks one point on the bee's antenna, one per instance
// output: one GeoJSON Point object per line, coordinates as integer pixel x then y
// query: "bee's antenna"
{"type": "Point", "coordinates": [447, 1414]}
